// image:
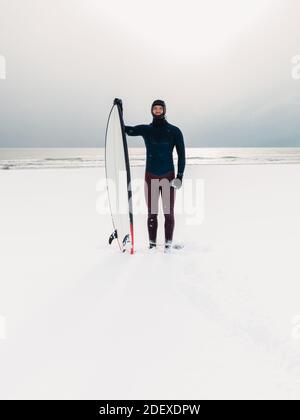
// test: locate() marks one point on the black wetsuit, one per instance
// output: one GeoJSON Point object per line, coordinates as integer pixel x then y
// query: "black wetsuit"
{"type": "Point", "coordinates": [160, 138]}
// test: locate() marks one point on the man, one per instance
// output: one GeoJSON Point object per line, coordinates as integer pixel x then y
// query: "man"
{"type": "Point", "coordinates": [160, 138]}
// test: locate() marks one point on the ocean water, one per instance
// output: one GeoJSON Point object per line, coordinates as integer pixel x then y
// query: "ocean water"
{"type": "Point", "coordinates": [47, 158]}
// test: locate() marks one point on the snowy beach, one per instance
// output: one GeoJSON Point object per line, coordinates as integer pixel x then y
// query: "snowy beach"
{"type": "Point", "coordinates": [207, 92]}
{"type": "Point", "coordinates": [217, 319]}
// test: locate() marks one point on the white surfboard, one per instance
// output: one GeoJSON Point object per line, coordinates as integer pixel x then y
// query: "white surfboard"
{"type": "Point", "coordinates": [118, 179]}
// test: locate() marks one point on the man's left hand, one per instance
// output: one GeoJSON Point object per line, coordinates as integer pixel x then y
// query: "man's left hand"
{"type": "Point", "coordinates": [176, 183]}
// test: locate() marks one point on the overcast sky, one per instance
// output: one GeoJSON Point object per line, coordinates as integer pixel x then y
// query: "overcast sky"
{"type": "Point", "coordinates": [222, 66]}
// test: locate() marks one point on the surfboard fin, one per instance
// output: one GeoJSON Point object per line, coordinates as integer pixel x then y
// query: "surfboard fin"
{"type": "Point", "coordinates": [113, 236]}
{"type": "Point", "coordinates": [125, 240]}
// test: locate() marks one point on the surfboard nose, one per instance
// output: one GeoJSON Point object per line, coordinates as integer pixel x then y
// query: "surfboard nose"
{"type": "Point", "coordinates": [118, 101]}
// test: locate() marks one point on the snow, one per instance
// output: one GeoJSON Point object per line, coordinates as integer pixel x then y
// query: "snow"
{"type": "Point", "coordinates": [217, 319]}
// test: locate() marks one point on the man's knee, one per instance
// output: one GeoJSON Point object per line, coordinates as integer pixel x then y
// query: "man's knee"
{"type": "Point", "coordinates": [169, 217]}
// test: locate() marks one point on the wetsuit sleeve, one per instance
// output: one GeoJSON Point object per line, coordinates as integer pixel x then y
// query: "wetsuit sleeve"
{"type": "Point", "coordinates": [138, 130]}
{"type": "Point", "coordinates": [180, 148]}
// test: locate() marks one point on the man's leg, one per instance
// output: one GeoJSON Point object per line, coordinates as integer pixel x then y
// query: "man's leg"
{"type": "Point", "coordinates": [168, 200]}
{"type": "Point", "coordinates": [151, 197]}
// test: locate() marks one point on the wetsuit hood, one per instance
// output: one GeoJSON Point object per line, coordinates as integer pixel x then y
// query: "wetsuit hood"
{"type": "Point", "coordinates": [159, 120]}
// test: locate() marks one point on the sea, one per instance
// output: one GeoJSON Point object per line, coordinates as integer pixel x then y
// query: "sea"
{"type": "Point", "coordinates": [55, 158]}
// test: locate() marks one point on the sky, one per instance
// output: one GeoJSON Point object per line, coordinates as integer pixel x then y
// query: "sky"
{"type": "Point", "coordinates": [225, 68]}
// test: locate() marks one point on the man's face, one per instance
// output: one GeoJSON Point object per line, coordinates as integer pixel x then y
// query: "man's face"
{"type": "Point", "coordinates": [157, 110]}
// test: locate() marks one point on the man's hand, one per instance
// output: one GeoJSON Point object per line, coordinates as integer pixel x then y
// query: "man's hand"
{"type": "Point", "coordinates": [176, 183]}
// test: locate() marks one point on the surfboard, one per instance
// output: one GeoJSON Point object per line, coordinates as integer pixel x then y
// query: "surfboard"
{"type": "Point", "coordinates": [118, 179]}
